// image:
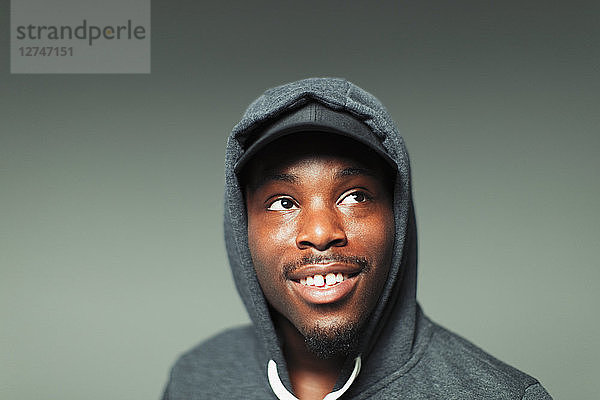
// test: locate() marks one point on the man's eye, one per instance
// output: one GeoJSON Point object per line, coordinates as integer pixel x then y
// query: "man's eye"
{"type": "Point", "coordinates": [282, 204]}
{"type": "Point", "coordinates": [354, 197]}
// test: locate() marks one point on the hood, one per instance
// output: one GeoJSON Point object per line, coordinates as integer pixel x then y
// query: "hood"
{"type": "Point", "coordinates": [388, 339]}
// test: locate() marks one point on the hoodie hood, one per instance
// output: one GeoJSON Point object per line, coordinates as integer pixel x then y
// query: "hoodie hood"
{"type": "Point", "coordinates": [387, 340]}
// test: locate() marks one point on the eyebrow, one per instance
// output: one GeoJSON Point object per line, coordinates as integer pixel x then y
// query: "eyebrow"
{"type": "Point", "coordinates": [269, 177]}
{"type": "Point", "coordinates": [353, 171]}
{"type": "Point", "coordinates": [293, 179]}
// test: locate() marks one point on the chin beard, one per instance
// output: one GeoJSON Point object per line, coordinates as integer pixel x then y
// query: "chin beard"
{"type": "Point", "coordinates": [331, 341]}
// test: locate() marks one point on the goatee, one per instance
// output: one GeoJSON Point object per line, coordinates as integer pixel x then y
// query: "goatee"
{"type": "Point", "coordinates": [333, 341]}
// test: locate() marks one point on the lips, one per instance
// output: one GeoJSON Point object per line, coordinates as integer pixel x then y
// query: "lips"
{"type": "Point", "coordinates": [325, 283]}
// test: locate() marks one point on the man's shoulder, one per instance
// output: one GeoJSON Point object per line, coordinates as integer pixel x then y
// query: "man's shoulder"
{"type": "Point", "coordinates": [222, 348]}
{"type": "Point", "coordinates": [461, 353]}
{"type": "Point", "coordinates": [223, 366]}
{"type": "Point", "coordinates": [454, 365]}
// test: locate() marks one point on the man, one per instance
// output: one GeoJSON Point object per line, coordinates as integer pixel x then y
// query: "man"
{"type": "Point", "coordinates": [321, 238]}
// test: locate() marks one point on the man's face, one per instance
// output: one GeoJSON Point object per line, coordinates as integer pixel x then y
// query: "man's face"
{"type": "Point", "coordinates": [320, 231]}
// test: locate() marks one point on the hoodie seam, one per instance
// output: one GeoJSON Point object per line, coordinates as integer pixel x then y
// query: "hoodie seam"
{"type": "Point", "coordinates": [527, 389]}
{"type": "Point", "coordinates": [347, 96]}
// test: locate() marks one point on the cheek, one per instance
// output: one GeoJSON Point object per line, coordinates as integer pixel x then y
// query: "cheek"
{"type": "Point", "coordinates": [267, 243]}
{"type": "Point", "coordinates": [375, 236]}
{"type": "Point", "coordinates": [263, 235]}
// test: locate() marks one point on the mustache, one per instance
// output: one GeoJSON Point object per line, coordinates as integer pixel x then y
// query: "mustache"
{"type": "Point", "coordinates": [290, 267]}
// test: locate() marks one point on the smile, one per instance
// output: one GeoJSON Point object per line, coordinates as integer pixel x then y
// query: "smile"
{"type": "Point", "coordinates": [331, 279]}
{"type": "Point", "coordinates": [325, 284]}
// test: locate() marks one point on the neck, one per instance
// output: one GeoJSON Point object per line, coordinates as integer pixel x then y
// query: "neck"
{"type": "Point", "coordinates": [311, 377]}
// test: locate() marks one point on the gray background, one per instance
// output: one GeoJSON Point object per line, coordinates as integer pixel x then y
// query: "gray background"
{"type": "Point", "coordinates": [111, 254]}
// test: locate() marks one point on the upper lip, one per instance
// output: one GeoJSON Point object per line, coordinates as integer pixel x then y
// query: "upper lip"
{"type": "Point", "coordinates": [324, 269]}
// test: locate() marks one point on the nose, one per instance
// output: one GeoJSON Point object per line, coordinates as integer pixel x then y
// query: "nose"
{"type": "Point", "coordinates": [320, 228]}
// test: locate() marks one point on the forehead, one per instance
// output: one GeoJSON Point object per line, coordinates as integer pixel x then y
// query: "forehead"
{"type": "Point", "coordinates": [304, 149]}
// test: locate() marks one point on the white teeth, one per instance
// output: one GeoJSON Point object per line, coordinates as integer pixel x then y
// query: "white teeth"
{"type": "Point", "coordinates": [319, 280]}
{"type": "Point", "coordinates": [330, 279]}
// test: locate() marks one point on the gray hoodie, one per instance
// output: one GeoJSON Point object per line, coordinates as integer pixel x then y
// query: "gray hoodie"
{"type": "Point", "coordinates": [402, 353]}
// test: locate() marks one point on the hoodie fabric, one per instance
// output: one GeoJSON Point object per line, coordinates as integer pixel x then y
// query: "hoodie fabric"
{"type": "Point", "coordinates": [402, 353]}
